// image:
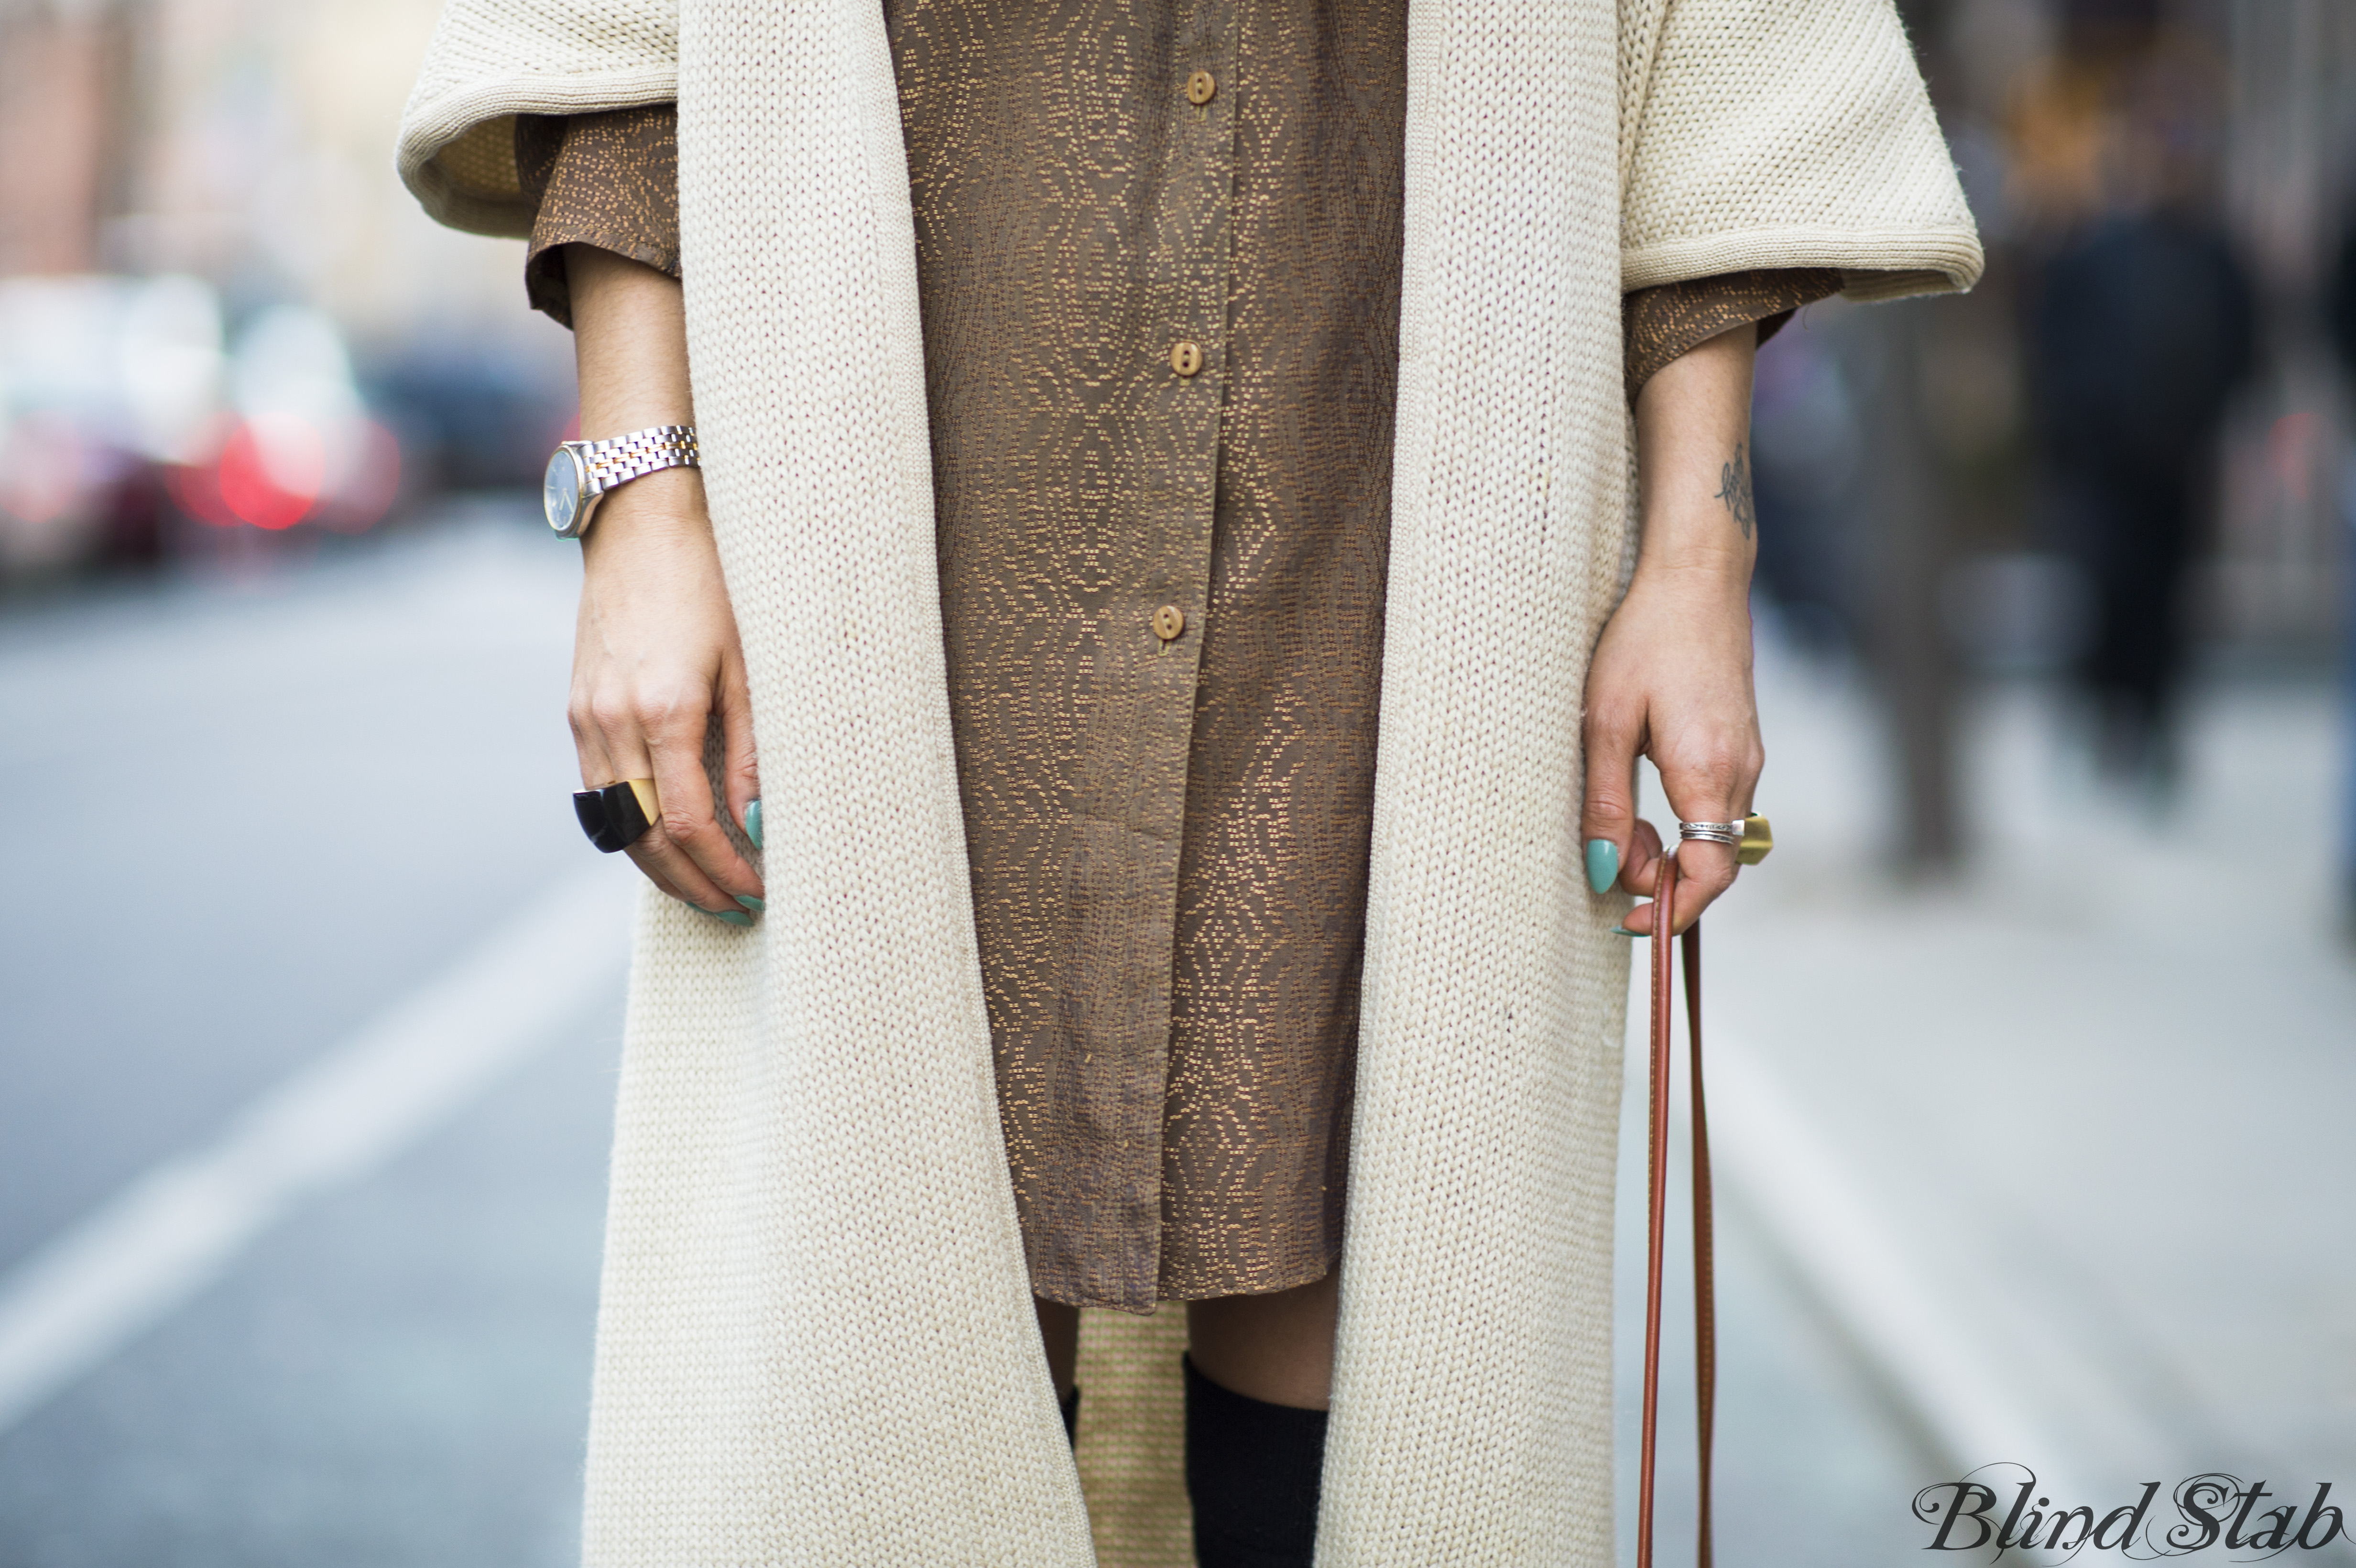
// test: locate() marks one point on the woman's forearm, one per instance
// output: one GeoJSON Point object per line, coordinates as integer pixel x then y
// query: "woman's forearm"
{"type": "Point", "coordinates": [657, 659]}
{"type": "Point", "coordinates": [1671, 676]}
{"type": "Point", "coordinates": [1692, 459]}
{"type": "Point", "coordinates": [629, 340]}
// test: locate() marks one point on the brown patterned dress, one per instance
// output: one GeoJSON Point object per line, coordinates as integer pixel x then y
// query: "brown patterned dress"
{"type": "Point", "coordinates": [1158, 254]}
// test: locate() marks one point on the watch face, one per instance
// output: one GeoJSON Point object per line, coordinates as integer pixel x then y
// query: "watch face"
{"type": "Point", "coordinates": [561, 491]}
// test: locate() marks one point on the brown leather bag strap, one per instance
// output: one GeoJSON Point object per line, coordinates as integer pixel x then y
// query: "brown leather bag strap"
{"type": "Point", "coordinates": [1656, 1214]}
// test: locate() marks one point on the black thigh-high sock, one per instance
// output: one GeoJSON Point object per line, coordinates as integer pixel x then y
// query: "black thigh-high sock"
{"type": "Point", "coordinates": [1252, 1470]}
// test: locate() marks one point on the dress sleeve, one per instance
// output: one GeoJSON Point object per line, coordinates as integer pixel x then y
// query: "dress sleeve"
{"type": "Point", "coordinates": [1660, 323]}
{"type": "Point", "coordinates": [609, 180]}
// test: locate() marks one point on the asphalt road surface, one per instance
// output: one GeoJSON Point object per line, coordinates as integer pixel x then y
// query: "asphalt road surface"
{"type": "Point", "coordinates": [316, 1294]}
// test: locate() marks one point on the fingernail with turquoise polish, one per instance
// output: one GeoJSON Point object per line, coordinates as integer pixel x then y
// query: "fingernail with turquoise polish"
{"type": "Point", "coordinates": [733, 917]}
{"type": "Point", "coordinates": [1623, 931]}
{"type": "Point", "coordinates": [753, 822]}
{"type": "Point", "coordinates": [1602, 864]}
{"type": "Point", "coordinates": [749, 902]}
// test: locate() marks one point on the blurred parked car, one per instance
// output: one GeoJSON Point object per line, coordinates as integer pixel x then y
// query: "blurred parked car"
{"type": "Point", "coordinates": [471, 417]}
{"type": "Point", "coordinates": [129, 414]}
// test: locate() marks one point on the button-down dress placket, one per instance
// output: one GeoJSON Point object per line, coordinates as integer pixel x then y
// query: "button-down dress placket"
{"type": "Point", "coordinates": [1185, 265]}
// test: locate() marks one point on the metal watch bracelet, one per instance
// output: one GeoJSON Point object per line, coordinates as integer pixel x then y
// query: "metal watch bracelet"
{"type": "Point", "coordinates": [581, 473]}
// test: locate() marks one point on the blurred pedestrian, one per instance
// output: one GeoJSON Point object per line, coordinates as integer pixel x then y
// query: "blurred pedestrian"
{"type": "Point", "coordinates": [2140, 323]}
{"type": "Point", "coordinates": [2140, 330]}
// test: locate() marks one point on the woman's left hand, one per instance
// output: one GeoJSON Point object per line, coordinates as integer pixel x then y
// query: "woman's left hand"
{"type": "Point", "coordinates": [1671, 678]}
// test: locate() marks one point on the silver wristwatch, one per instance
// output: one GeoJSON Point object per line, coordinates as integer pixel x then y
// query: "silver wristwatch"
{"type": "Point", "coordinates": [580, 473]}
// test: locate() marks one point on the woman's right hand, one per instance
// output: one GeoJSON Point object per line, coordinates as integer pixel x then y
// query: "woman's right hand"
{"type": "Point", "coordinates": [656, 657]}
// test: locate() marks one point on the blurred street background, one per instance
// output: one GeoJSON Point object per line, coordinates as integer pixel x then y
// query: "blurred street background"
{"type": "Point", "coordinates": [2030, 1045]}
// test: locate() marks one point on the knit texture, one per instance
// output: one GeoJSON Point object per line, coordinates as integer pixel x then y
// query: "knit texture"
{"type": "Point", "coordinates": [1253, 1470]}
{"type": "Point", "coordinates": [490, 60]}
{"type": "Point", "coordinates": [816, 1344]}
{"type": "Point", "coordinates": [1783, 134]}
{"type": "Point", "coordinates": [1132, 1430]}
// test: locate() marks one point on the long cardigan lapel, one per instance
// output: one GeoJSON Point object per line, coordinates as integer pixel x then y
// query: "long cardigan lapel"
{"type": "Point", "coordinates": [865, 1306]}
{"type": "Point", "coordinates": [1473, 1373]}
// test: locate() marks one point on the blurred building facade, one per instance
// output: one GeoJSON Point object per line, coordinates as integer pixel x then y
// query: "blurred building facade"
{"type": "Point", "coordinates": [197, 210]}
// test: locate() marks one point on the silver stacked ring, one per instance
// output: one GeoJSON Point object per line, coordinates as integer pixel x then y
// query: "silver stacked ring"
{"type": "Point", "coordinates": [1727, 833]}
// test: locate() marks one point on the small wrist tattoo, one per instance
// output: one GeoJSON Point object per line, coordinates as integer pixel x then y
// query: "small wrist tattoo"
{"type": "Point", "coordinates": [1734, 489]}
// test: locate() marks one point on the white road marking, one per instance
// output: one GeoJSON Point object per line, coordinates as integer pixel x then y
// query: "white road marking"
{"type": "Point", "coordinates": [1771, 1162]}
{"type": "Point", "coordinates": [84, 1295]}
{"type": "Point", "coordinates": [1982, 1385]}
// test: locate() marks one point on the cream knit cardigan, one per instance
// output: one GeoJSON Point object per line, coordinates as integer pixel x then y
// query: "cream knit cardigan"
{"type": "Point", "coordinates": [816, 1342]}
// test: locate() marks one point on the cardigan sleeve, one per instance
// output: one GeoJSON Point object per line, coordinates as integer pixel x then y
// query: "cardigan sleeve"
{"type": "Point", "coordinates": [492, 62]}
{"type": "Point", "coordinates": [1772, 137]}
{"type": "Point", "coordinates": [609, 180]}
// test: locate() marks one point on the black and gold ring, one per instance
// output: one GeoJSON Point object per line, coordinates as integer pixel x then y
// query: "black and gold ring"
{"type": "Point", "coordinates": [615, 816]}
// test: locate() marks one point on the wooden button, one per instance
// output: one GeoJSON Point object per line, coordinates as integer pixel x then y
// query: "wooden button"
{"type": "Point", "coordinates": [1185, 359]}
{"type": "Point", "coordinates": [1200, 87]}
{"type": "Point", "coordinates": [1168, 622]}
